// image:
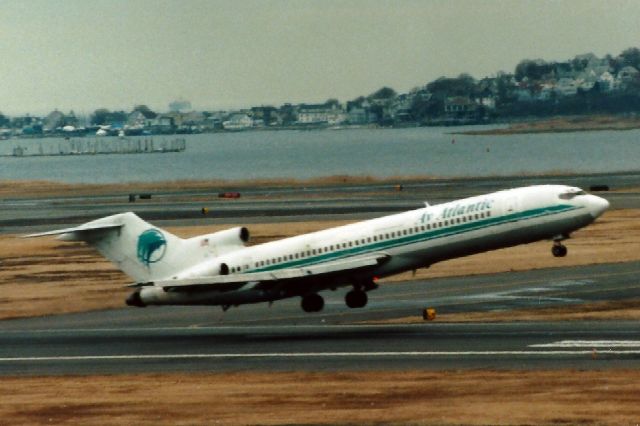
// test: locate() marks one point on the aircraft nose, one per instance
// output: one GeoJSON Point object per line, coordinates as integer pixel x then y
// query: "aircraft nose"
{"type": "Point", "coordinates": [597, 205]}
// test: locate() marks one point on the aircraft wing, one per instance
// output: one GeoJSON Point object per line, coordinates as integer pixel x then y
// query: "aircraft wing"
{"type": "Point", "coordinates": [280, 276]}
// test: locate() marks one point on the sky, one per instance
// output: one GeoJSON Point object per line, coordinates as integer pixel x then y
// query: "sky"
{"type": "Point", "coordinates": [82, 55]}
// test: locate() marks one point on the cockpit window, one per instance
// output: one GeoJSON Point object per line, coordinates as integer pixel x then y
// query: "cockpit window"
{"type": "Point", "coordinates": [571, 194]}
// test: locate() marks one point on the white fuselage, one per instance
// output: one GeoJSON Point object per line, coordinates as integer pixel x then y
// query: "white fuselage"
{"type": "Point", "coordinates": [410, 240]}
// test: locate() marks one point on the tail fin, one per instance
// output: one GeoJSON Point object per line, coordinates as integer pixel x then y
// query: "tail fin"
{"type": "Point", "coordinates": [141, 250]}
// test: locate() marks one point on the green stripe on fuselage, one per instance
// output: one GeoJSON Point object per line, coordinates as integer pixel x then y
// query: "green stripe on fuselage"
{"type": "Point", "coordinates": [418, 237]}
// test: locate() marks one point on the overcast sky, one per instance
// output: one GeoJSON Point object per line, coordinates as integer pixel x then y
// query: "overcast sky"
{"type": "Point", "coordinates": [85, 54]}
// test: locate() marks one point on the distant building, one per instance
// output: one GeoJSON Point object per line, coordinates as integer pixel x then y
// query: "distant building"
{"type": "Point", "coordinates": [358, 115]}
{"type": "Point", "coordinates": [626, 75]}
{"type": "Point", "coordinates": [320, 114]}
{"type": "Point", "coordinates": [606, 82]}
{"type": "Point", "coordinates": [238, 121]}
{"type": "Point", "coordinates": [566, 87]}
{"type": "Point", "coordinates": [141, 118]}
{"type": "Point", "coordinates": [459, 106]}
{"type": "Point", "coordinates": [54, 120]}
{"type": "Point", "coordinates": [180, 106]}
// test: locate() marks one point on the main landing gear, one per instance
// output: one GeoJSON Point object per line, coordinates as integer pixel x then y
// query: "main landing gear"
{"type": "Point", "coordinates": [356, 298]}
{"type": "Point", "coordinates": [312, 303]}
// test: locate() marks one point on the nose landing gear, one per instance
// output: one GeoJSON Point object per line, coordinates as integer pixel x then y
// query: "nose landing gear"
{"type": "Point", "coordinates": [559, 249]}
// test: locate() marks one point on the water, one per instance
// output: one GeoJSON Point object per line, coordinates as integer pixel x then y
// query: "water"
{"type": "Point", "coordinates": [356, 152]}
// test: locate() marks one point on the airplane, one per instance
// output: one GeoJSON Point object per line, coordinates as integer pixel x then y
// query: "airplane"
{"type": "Point", "coordinates": [220, 269]}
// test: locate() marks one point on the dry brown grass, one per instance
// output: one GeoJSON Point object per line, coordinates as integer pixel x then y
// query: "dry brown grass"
{"type": "Point", "coordinates": [356, 398]}
{"type": "Point", "coordinates": [565, 124]}
{"type": "Point", "coordinates": [46, 276]}
{"type": "Point", "coordinates": [21, 189]}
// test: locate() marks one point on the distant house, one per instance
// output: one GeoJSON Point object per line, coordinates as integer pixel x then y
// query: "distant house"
{"type": "Point", "coordinates": [193, 118]}
{"type": "Point", "coordinates": [163, 123]}
{"type": "Point", "coordinates": [401, 108]}
{"type": "Point", "coordinates": [626, 75]}
{"type": "Point", "coordinates": [459, 106]}
{"type": "Point", "coordinates": [267, 115]}
{"type": "Point", "coordinates": [606, 82]}
{"type": "Point", "coordinates": [320, 114]}
{"type": "Point", "coordinates": [358, 115]}
{"type": "Point", "coordinates": [543, 92]}
{"type": "Point", "coordinates": [566, 87]}
{"type": "Point", "coordinates": [238, 121]}
{"type": "Point", "coordinates": [141, 118]}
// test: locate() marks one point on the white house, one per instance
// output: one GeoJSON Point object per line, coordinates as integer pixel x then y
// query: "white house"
{"type": "Point", "coordinates": [316, 114]}
{"type": "Point", "coordinates": [607, 82]}
{"type": "Point", "coordinates": [238, 121]}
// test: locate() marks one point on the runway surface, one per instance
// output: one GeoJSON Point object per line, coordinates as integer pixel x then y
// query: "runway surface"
{"type": "Point", "coordinates": [282, 337]}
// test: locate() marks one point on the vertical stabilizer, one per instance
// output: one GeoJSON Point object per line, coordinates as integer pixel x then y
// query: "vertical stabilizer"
{"type": "Point", "coordinates": [141, 250]}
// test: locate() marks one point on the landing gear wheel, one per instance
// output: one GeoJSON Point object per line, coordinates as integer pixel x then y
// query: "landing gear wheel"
{"type": "Point", "coordinates": [312, 303]}
{"type": "Point", "coordinates": [356, 299]}
{"type": "Point", "coordinates": [559, 250]}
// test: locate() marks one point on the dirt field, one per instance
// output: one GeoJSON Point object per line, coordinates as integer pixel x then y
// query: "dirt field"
{"type": "Point", "coordinates": [369, 398]}
{"type": "Point", "coordinates": [45, 276]}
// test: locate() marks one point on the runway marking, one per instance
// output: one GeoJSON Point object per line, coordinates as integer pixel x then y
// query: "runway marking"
{"type": "Point", "coordinates": [590, 344]}
{"type": "Point", "coordinates": [312, 355]}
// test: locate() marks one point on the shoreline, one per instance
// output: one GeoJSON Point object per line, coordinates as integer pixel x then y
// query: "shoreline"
{"type": "Point", "coordinates": [562, 124]}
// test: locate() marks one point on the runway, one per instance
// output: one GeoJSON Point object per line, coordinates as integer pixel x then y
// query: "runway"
{"type": "Point", "coordinates": [282, 338]}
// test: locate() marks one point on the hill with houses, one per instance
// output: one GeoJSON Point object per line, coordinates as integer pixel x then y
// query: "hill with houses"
{"type": "Point", "coordinates": [584, 85]}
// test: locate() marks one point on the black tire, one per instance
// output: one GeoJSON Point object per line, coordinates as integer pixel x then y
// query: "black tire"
{"type": "Point", "coordinates": [356, 299]}
{"type": "Point", "coordinates": [559, 250]}
{"type": "Point", "coordinates": [312, 303]}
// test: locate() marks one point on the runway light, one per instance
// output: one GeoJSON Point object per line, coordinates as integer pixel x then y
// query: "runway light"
{"type": "Point", "coordinates": [429, 314]}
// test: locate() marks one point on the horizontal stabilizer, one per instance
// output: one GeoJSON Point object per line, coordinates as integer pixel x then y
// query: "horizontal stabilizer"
{"type": "Point", "coordinates": [87, 227]}
{"type": "Point", "coordinates": [312, 271]}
